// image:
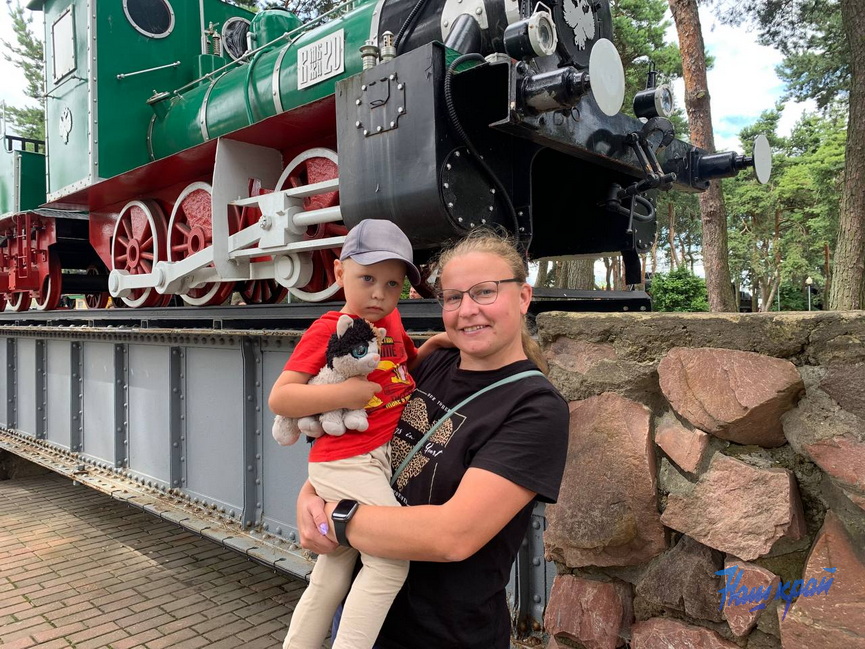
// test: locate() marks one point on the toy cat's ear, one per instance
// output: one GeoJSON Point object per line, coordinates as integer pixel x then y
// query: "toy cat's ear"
{"type": "Point", "coordinates": [380, 333]}
{"type": "Point", "coordinates": [343, 324]}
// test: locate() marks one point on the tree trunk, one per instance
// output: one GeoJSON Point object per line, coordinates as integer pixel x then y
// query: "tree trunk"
{"type": "Point", "coordinates": [671, 230]}
{"type": "Point", "coordinates": [848, 276]}
{"type": "Point", "coordinates": [581, 273]}
{"type": "Point", "coordinates": [654, 257]}
{"type": "Point", "coordinates": [827, 274]}
{"type": "Point", "coordinates": [567, 272]}
{"type": "Point", "coordinates": [543, 273]}
{"type": "Point", "coordinates": [712, 210]}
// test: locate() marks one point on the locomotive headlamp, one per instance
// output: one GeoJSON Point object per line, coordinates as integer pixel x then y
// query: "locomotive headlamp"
{"type": "Point", "coordinates": [564, 87]}
{"type": "Point", "coordinates": [534, 36]}
{"type": "Point", "coordinates": [654, 102]}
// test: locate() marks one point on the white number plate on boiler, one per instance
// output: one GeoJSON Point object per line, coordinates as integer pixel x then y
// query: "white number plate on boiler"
{"type": "Point", "coordinates": [321, 60]}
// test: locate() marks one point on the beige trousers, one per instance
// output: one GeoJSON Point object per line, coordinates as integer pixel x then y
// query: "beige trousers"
{"type": "Point", "coordinates": [366, 479]}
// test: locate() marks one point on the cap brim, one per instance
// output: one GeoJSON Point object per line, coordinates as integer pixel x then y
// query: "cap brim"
{"type": "Point", "coordinates": [376, 256]}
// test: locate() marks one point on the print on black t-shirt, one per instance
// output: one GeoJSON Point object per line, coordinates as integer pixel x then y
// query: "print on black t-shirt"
{"type": "Point", "coordinates": [414, 424]}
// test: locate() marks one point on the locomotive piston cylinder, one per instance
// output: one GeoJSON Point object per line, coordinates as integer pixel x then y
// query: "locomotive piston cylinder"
{"type": "Point", "coordinates": [554, 90]}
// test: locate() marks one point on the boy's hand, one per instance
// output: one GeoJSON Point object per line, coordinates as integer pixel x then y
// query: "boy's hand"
{"type": "Point", "coordinates": [439, 341]}
{"type": "Point", "coordinates": [358, 391]}
{"type": "Point", "coordinates": [431, 344]}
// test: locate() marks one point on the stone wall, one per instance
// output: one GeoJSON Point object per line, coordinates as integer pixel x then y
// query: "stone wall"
{"type": "Point", "coordinates": [701, 443]}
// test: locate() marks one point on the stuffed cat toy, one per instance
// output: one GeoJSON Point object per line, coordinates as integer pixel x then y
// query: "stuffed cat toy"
{"type": "Point", "coordinates": [351, 351]}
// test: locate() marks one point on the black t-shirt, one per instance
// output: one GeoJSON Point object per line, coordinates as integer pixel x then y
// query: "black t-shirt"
{"type": "Point", "coordinates": [518, 431]}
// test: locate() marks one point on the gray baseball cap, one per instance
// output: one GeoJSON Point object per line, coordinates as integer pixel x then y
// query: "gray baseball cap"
{"type": "Point", "coordinates": [375, 240]}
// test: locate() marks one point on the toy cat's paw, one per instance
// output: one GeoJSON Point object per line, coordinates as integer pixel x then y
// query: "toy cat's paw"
{"type": "Point", "coordinates": [285, 430]}
{"type": "Point", "coordinates": [310, 426]}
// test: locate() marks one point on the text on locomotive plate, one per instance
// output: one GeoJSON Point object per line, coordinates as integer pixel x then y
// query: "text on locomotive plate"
{"type": "Point", "coordinates": [321, 60]}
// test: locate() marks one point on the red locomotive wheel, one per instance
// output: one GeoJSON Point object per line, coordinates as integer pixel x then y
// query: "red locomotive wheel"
{"type": "Point", "coordinates": [137, 245]}
{"type": "Point", "coordinates": [313, 166]}
{"type": "Point", "coordinates": [18, 301]}
{"type": "Point", "coordinates": [262, 291]}
{"type": "Point", "coordinates": [258, 291]}
{"type": "Point", "coordinates": [190, 229]}
{"type": "Point", "coordinates": [48, 297]}
{"type": "Point", "coordinates": [96, 300]}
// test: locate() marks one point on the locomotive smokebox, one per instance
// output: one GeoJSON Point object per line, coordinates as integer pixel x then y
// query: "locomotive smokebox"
{"type": "Point", "coordinates": [406, 164]}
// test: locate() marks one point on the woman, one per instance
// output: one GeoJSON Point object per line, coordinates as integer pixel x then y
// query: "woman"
{"type": "Point", "coordinates": [473, 483]}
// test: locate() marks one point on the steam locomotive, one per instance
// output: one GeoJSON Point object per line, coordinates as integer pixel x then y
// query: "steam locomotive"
{"type": "Point", "coordinates": [195, 148]}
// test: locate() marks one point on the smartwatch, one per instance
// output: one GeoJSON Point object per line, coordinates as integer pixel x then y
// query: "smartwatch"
{"type": "Point", "coordinates": [341, 516]}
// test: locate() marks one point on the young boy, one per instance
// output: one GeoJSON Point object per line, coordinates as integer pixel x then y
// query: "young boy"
{"type": "Point", "coordinates": [375, 259]}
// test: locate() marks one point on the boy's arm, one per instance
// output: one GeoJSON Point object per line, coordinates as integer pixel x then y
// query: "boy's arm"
{"type": "Point", "coordinates": [292, 396]}
{"type": "Point", "coordinates": [431, 344]}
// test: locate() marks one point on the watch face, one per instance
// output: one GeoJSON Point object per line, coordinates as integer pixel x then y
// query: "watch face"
{"type": "Point", "coordinates": [344, 510]}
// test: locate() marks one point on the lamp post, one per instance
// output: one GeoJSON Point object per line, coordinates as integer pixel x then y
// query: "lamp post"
{"type": "Point", "coordinates": [808, 282]}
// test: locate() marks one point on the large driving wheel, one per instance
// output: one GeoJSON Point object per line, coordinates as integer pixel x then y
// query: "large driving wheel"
{"type": "Point", "coordinates": [48, 297]}
{"type": "Point", "coordinates": [190, 229]}
{"type": "Point", "coordinates": [137, 244]}
{"type": "Point", "coordinates": [313, 166]}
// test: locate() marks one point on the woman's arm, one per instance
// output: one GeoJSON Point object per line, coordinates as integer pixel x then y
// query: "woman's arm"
{"type": "Point", "coordinates": [482, 505]}
{"type": "Point", "coordinates": [292, 396]}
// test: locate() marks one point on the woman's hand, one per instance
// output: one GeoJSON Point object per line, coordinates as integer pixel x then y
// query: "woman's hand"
{"type": "Point", "coordinates": [313, 522]}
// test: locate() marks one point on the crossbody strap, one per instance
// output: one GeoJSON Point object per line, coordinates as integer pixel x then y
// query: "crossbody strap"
{"type": "Point", "coordinates": [452, 411]}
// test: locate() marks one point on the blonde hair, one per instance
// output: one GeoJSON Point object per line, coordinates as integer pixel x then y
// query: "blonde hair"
{"type": "Point", "coordinates": [491, 242]}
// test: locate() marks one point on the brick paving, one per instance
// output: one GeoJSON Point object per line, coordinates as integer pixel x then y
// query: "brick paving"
{"type": "Point", "coordinates": [80, 569]}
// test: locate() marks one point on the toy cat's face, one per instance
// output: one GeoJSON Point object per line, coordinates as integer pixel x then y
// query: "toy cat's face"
{"type": "Point", "coordinates": [354, 349]}
{"type": "Point", "coordinates": [359, 360]}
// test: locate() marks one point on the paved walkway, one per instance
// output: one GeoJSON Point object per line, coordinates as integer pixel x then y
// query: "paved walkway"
{"type": "Point", "coordinates": [79, 569]}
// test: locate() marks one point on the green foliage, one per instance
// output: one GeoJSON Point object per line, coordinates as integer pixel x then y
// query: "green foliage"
{"type": "Point", "coordinates": [679, 213]}
{"type": "Point", "coordinates": [639, 30]}
{"type": "Point", "coordinates": [679, 290]}
{"type": "Point", "coordinates": [779, 232]}
{"type": "Point", "coordinates": [26, 54]}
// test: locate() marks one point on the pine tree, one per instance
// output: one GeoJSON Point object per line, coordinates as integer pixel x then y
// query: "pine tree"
{"type": "Point", "coordinates": [697, 103]}
{"type": "Point", "coordinates": [27, 55]}
{"type": "Point", "coordinates": [823, 43]}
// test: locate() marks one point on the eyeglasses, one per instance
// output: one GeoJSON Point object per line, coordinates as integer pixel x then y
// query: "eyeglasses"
{"type": "Point", "coordinates": [482, 293]}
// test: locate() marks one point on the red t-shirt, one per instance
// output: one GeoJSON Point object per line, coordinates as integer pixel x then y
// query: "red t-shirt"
{"type": "Point", "coordinates": [385, 408]}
